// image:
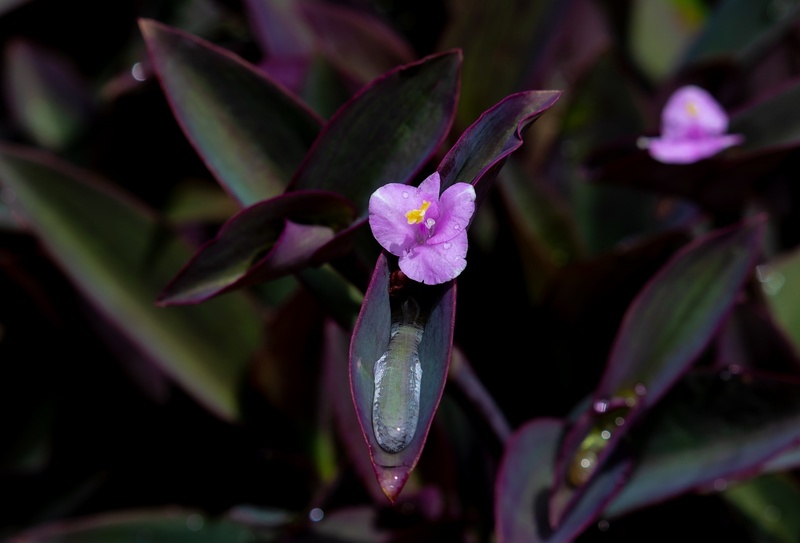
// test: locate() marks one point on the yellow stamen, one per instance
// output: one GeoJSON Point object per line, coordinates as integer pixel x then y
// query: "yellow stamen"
{"type": "Point", "coordinates": [691, 109]}
{"type": "Point", "coordinates": [416, 216]}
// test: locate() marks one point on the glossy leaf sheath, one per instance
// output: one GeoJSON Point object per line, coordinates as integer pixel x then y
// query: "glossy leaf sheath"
{"type": "Point", "coordinates": [370, 341]}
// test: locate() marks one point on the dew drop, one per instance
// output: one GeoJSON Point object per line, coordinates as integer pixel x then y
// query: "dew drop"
{"type": "Point", "coordinates": [603, 525]}
{"type": "Point", "coordinates": [405, 194]}
{"type": "Point", "coordinates": [457, 226]}
{"type": "Point", "coordinates": [316, 514]}
{"type": "Point", "coordinates": [619, 421]}
{"type": "Point", "coordinates": [640, 389]}
{"type": "Point", "coordinates": [582, 468]}
{"type": "Point", "coordinates": [137, 72]}
{"type": "Point", "coordinates": [600, 406]}
{"type": "Point", "coordinates": [447, 245]}
{"type": "Point", "coordinates": [605, 434]}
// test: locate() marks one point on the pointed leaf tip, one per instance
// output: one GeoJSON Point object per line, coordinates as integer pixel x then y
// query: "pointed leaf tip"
{"type": "Point", "coordinates": [392, 480]}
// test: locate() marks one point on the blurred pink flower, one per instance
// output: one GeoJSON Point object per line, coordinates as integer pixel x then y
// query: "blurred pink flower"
{"type": "Point", "coordinates": [427, 232]}
{"type": "Point", "coordinates": [693, 127]}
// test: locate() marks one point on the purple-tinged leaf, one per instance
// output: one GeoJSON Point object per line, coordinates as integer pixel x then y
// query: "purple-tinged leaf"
{"type": "Point", "coordinates": [251, 133]}
{"type": "Point", "coordinates": [665, 328]}
{"type": "Point", "coordinates": [675, 316]}
{"type": "Point", "coordinates": [264, 241]}
{"type": "Point", "coordinates": [523, 484]}
{"type": "Point", "coordinates": [387, 132]}
{"type": "Point", "coordinates": [710, 428]}
{"type": "Point", "coordinates": [46, 95]}
{"type": "Point", "coordinates": [356, 42]}
{"type": "Point", "coordinates": [172, 524]}
{"type": "Point", "coordinates": [370, 342]}
{"type": "Point", "coordinates": [119, 255]}
{"type": "Point", "coordinates": [482, 149]}
{"type": "Point", "coordinates": [277, 236]}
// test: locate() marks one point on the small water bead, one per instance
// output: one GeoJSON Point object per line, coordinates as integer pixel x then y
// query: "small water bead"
{"type": "Point", "coordinates": [457, 226]}
{"type": "Point", "coordinates": [600, 406]}
{"type": "Point", "coordinates": [316, 514]}
{"type": "Point", "coordinates": [447, 245]}
{"type": "Point", "coordinates": [639, 389]}
{"type": "Point", "coordinates": [582, 469]}
{"type": "Point", "coordinates": [405, 194]}
{"type": "Point", "coordinates": [605, 434]}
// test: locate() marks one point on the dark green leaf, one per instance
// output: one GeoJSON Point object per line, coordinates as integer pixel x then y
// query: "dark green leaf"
{"type": "Point", "coordinates": [250, 132]}
{"type": "Point", "coordinates": [119, 256]}
{"type": "Point", "coordinates": [709, 429]}
{"type": "Point", "coordinates": [387, 132]}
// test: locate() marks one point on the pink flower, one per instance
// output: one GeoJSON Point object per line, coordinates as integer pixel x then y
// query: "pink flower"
{"type": "Point", "coordinates": [426, 232]}
{"type": "Point", "coordinates": [693, 127]}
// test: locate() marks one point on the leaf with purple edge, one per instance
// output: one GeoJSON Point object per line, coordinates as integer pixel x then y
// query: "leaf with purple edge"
{"type": "Point", "coordinates": [387, 132]}
{"type": "Point", "coordinates": [710, 427]}
{"type": "Point", "coordinates": [264, 241]}
{"type": "Point", "coordinates": [669, 323]}
{"type": "Point", "coordinates": [251, 133]}
{"type": "Point", "coordinates": [119, 254]}
{"type": "Point", "coordinates": [370, 341]}
{"type": "Point", "coordinates": [483, 148]}
{"type": "Point", "coordinates": [523, 483]}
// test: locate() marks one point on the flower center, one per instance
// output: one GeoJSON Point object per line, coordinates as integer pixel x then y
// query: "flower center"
{"type": "Point", "coordinates": [691, 109]}
{"type": "Point", "coordinates": [416, 216]}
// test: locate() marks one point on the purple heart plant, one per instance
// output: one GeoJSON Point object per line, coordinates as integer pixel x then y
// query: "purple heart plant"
{"type": "Point", "coordinates": [324, 270]}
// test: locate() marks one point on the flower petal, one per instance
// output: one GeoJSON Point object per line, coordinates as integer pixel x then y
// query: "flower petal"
{"type": "Point", "coordinates": [436, 263]}
{"type": "Point", "coordinates": [387, 216]}
{"type": "Point", "coordinates": [456, 208]}
{"type": "Point", "coordinates": [686, 151]}
{"type": "Point", "coordinates": [691, 112]}
{"type": "Point", "coordinates": [430, 187]}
